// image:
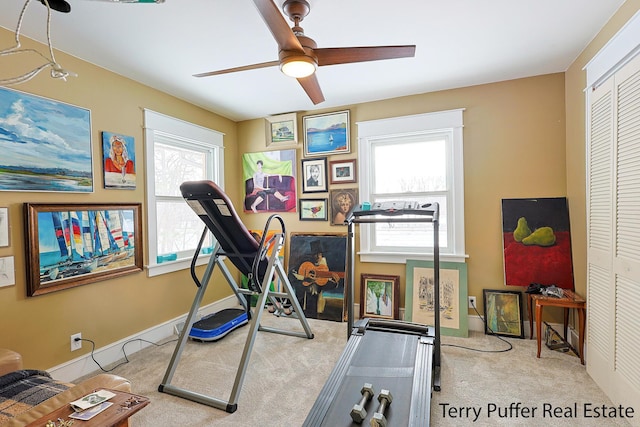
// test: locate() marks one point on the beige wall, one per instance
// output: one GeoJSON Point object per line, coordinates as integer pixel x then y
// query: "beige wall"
{"type": "Point", "coordinates": [107, 311]}
{"type": "Point", "coordinates": [514, 146]}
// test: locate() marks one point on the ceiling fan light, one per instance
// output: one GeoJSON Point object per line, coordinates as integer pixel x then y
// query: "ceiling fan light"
{"type": "Point", "coordinates": [298, 66]}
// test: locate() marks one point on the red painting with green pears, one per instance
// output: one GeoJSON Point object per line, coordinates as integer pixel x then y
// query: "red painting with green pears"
{"type": "Point", "coordinates": [537, 242]}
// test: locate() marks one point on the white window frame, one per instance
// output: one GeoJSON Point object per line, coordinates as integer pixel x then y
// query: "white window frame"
{"type": "Point", "coordinates": [159, 127]}
{"type": "Point", "coordinates": [373, 130]}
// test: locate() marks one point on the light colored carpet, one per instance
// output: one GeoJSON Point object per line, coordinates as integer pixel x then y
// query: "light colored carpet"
{"type": "Point", "coordinates": [285, 375]}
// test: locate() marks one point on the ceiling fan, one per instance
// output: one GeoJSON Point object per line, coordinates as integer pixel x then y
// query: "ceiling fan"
{"type": "Point", "coordinates": [299, 55]}
{"type": "Point", "coordinates": [64, 7]}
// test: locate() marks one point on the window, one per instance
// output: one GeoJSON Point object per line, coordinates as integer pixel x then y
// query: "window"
{"type": "Point", "coordinates": [413, 158]}
{"type": "Point", "coordinates": [176, 151]}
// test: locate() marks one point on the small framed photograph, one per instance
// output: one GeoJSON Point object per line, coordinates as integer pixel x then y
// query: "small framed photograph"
{"type": "Point", "coordinates": [4, 227]}
{"type": "Point", "coordinates": [313, 210]}
{"type": "Point", "coordinates": [503, 312]}
{"type": "Point", "coordinates": [314, 175]}
{"type": "Point", "coordinates": [326, 134]}
{"type": "Point", "coordinates": [342, 171]}
{"type": "Point", "coordinates": [379, 296]}
{"type": "Point", "coordinates": [282, 130]}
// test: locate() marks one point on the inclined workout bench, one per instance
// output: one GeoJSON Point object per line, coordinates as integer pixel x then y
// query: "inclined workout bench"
{"type": "Point", "coordinates": [235, 243]}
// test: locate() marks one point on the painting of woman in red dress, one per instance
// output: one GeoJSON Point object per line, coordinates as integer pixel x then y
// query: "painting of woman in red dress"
{"type": "Point", "coordinates": [119, 161]}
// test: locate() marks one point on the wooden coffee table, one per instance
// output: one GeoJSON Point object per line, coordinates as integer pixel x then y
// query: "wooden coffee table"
{"type": "Point", "coordinates": [124, 405]}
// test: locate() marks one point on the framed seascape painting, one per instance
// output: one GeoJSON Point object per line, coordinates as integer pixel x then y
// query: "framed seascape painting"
{"type": "Point", "coordinates": [119, 160]}
{"type": "Point", "coordinates": [45, 144]}
{"type": "Point", "coordinates": [326, 134]}
{"type": "Point", "coordinates": [503, 313]}
{"type": "Point", "coordinates": [282, 130]}
{"type": "Point", "coordinates": [314, 175]}
{"type": "Point", "coordinates": [419, 302]}
{"type": "Point", "coordinates": [316, 271]}
{"type": "Point", "coordinates": [76, 244]}
{"type": "Point", "coordinates": [379, 296]}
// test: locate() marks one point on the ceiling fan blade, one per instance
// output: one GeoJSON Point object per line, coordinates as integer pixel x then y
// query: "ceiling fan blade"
{"type": "Point", "coordinates": [278, 26]}
{"type": "Point", "coordinates": [235, 69]}
{"type": "Point", "coordinates": [312, 87]}
{"type": "Point", "coordinates": [346, 55]}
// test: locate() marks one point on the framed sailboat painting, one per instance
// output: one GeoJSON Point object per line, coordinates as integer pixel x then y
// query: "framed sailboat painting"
{"type": "Point", "coordinates": [75, 244]}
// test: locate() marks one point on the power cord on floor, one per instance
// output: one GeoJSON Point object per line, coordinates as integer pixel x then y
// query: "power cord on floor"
{"type": "Point", "coordinates": [492, 333]}
{"type": "Point", "coordinates": [126, 359]}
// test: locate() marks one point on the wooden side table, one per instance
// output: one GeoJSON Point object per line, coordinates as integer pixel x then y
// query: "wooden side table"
{"type": "Point", "coordinates": [569, 300]}
{"type": "Point", "coordinates": [117, 415]}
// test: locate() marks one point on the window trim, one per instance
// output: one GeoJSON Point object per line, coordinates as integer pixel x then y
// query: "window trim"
{"type": "Point", "coordinates": [160, 126]}
{"type": "Point", "coordinates": [372, 130]}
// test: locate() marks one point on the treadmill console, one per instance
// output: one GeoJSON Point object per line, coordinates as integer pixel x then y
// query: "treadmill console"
{"type": "Point", "coordinates": [394, 208]}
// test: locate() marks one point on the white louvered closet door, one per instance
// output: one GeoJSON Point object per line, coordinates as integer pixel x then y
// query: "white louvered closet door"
{"type": "Point", "coordinates": [613, 289]}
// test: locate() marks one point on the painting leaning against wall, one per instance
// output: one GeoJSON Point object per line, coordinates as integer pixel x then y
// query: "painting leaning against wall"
{"type": "Point", "coordinates": [45, 144]}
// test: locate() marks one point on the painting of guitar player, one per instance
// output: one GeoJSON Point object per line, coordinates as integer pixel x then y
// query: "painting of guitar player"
{"type": "Point", "coordinates": [316, 271]}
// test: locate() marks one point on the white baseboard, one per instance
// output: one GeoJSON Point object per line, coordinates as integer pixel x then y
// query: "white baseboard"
{"type": "Point", "coordinates": [84, 365]}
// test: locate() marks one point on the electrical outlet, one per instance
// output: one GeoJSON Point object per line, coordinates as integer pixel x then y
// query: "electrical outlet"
{"type": "Point", "coordinates": [76, 345]}
{"type": "Point", "coordinates": [472, 302]}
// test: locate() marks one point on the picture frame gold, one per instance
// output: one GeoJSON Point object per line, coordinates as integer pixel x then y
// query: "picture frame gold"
{"type": "Point", "coordinates": [379, 296]}
{"type": "Point", "coordinates": [282, 130]}
{"type": "Point", "coordinates": [70, 245]}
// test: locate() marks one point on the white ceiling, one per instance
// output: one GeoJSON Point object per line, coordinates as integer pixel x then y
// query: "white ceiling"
{"type": "Point", "coordinates": [459, 43]}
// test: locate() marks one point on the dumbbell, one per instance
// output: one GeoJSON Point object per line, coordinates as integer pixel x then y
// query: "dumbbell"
{"type": "Point", "coordinates": [358, 413]}
{"type": "Point", "coordinates": [378, 419]}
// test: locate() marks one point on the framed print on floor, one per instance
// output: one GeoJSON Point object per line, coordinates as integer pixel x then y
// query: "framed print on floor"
{"type": "Point", "coordinates": [503, 313]}
{"type": "Point", "coordinates": [379, 296]}
{"type": "Point", "coordinates": [419, 299]}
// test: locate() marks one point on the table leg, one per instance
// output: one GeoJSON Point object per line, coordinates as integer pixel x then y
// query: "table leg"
{"type": "Point", "coordinates": [530, 304]}
{"type": "Point", "coordinates": [581, 325]}
{"type": "Point", "coordinates": [566, 323]}
{"type": "Point", "coordinates": [538, 325]}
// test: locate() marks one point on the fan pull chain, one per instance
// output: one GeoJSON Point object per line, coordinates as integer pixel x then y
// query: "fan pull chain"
{"type": "Point", "coordinates": [57, 71]}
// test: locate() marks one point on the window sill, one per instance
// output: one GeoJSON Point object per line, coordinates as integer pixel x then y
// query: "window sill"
{"type": "Point", "coordinates": [171, 266]}
{"type": "Point", "coordinates": [402, 257]}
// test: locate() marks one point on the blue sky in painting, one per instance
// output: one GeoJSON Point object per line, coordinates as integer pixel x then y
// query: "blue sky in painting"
{"type": "Point", "coordinates": [39, 132]}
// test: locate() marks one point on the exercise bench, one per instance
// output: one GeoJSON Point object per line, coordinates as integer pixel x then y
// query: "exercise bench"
{"type": "Point", "coordinates": [238, 246]}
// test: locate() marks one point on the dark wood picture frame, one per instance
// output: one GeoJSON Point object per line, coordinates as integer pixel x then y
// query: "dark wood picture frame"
{"type": "Point", "coordinates": [71, 245]}
{"type": "Point", "coordinates": [313, 210]}
{"type": "Point", "coordinates": [503, 313]}
{"type": "Point", "coordinates": [342, 171]}
{"type": "Point", "coordinates": [385, 290]}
